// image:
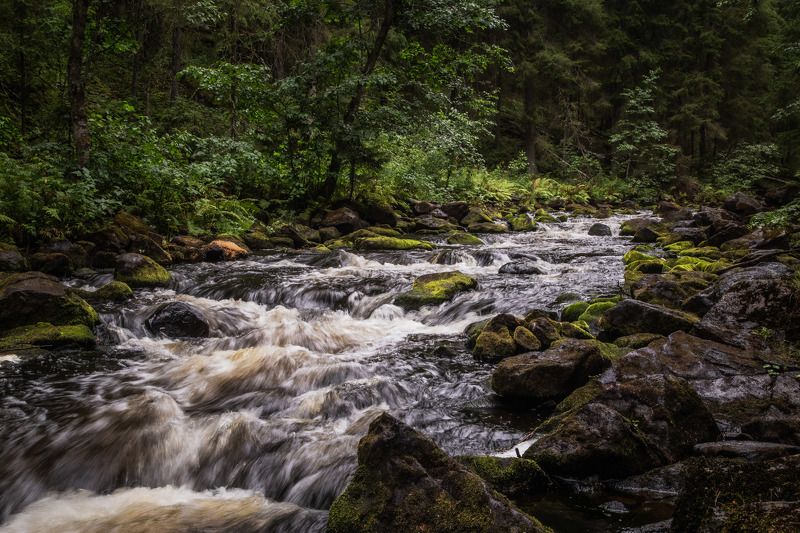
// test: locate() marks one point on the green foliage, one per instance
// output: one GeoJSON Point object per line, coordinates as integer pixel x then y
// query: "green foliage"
{"type": "Point", "coordinates": [782, 217]}
{"type": "Point", "coordinates": [747, 165]}
{"type": "Point", "coordinates": [641, 153]}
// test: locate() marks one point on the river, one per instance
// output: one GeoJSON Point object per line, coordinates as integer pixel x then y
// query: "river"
{"type": "Point", "coordinates": [256, 427]}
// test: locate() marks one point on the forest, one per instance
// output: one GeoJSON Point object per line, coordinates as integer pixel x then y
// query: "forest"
{"type": "Point", "coordinates": [208, 115]}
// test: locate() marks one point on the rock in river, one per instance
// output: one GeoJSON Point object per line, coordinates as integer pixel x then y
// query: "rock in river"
{"type": "Point", "coordinates": [404, 482]}
{"type": "Point", "coordinates": [177, 320]}
{"type": "Point", "coordinates": [434, 289]}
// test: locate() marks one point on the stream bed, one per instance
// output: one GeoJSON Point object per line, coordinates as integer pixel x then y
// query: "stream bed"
{"type": "Point", "coordinates": [256, 426]}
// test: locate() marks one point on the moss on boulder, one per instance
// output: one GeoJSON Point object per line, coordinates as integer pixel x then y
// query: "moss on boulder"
{"type": "Point", "coordinates": [465, 239]}
{"type": "Point", "coordinates": [434, 289]}
{"type": "Point", "coordinates": [592, 314]}
{"type": "Point", "coordinates": [31, 297]}
{"type": "Point", "coordinates": [511, 476]}
{"type": "Point", "coordinates": [574, 310]}
{"type": "Point", "coordinates": [391, 243]}
{"type": "Point", "coordinates": [47, 335]}
{"type": "Point", "coordinates": [140, 271]}
{"type": "Point", "coordinates": [522, 222]}
{"type": "Point", "coordinates": [404, 482]}
{"type": "Point", "coordinates": [114, 291]}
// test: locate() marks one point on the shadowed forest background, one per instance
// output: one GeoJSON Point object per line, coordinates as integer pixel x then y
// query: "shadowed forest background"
{"type": "Point", "coordinates": [207, 115]}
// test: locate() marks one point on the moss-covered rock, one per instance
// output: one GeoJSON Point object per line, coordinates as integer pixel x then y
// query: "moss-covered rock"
{"type": "Point", "coordinates": [635, 256]}
{"type": "Point", "coordinates": [552, 374]}
{"type": "Point", "coordinates": [522, 222]}
{"type": "Point", "coordinates": [140, 271]}
{"type": "Point", "coordinates": [526, 340]}
{"type": "Point", "coordinates": [706, 252]}
{"type": "Point", "coordinates": [575, 330]}
{"type": "Point", "coordinates": [404, 482]}
{"type": "Point", "coordinates": [47, 335]}
{"type": "Point", "coordinates": [31, 297]}
{"type": "Point", "coordinates": [391, 243]}
{"type": "Point", "coordinates": [574, 310]}
{"type": "Point", "coordinates": [492, 346]}
{"type": "Point", "coordinates": [543, 216]}
{"type": "Point", "coordinates": [386, 232]}
{"type": "Point", "coordinates": [592, 314]}
{"type": "Point", "coordinates": [476, 215]}
{"type": "Point", "coordinates": [633, 316]}
{"type": "Point", "coordinates": [637, 340]}
{"type": "Point", "coordinates": [434, 289]}
{"type": "Point", "coordinates": [114, 291]}
{"type": "Point", "coordinates": [696, 264]}
{"type": "Point", "coordinates": [487, 227]}
{"type": "Point", "coordinates": [464, 239]}
{"type": "Point", "coordinates": [679, 246]}
{"type": "Point", "coordinates": [512, 476]}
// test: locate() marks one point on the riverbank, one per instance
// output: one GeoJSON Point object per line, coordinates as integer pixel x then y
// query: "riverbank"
{"type": "Point", "coordinates": [265, 370]}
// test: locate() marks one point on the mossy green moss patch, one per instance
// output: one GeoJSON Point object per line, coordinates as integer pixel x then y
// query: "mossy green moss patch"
{"type": "Point", "coordinates": [434, 289]}
{"type": "Point", "coordinates": [47, 335]}
{"type": "Point", "coordinates": [392, 243]}
{"type": "Point", "coordinates": [464, 239]}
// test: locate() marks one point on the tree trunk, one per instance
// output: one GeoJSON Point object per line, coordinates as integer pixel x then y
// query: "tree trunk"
{"type": "Point", "coordinates": [175, 63]}
{"type": "Point", "coordinates": [530, 125]}
{"type": "Point", "coordinates": [77, 84]}
{"type": "Point", "coordinates": [335, 165]}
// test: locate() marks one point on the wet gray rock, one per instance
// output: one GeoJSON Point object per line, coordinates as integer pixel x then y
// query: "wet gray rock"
{"type": "Point", "coordinates": [521, 268]}
{"type": "Point", "coordinates": [743, 204]}
{"type": "Point", "coordinates": [746, 300]}
{"type": "Point", "coordinates": [552, 374]}
{"type": "Point", "coordinates": [625, 428]}
{"type": "Point", "coordinates": [600, 230]}
{"type": "Point", "coordinates": [177, 320]}
{"type": "Point", "coordinates": [634, 316]}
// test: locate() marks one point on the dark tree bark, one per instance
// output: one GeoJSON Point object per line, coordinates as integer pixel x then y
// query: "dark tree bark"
{"type": "Point", "coordinates": [530, 124]}
{"type": "Point", "coordinates": [175, 62]}
{"type": "Point", "coordinates": [77, 84]}
{"type": "Point", "coordinates": [339, 145]}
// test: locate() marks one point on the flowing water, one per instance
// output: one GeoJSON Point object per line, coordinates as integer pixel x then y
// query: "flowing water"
{"type": "Point", "coordinates": [256, 427]}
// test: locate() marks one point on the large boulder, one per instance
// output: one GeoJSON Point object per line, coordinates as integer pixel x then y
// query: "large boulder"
{"type": "Point", "coordinates": [634, 316]}
{"type": "Point", "coordinates": [177, 320]}
{"type": "Point", "coordinates": [378, 214]}
{"type": "Point", "coordinates": [32, 297]}
{"type": "Point", "coordinates": [749, 301]}
{"type": "Point", "coordinates": [10, 258]}
{"type": "Point", "coordinates": [475, 215]}
{"type": "Point", "coordinates": [55, 264]}
{"type": "Point", "coordinates": [344, 219]}
{"type": "Point", "coordinates": [404, 482]}
{"type": "Point", "coordinates": [433, 224]}
{"type": "Point", "coordinates": [733, 383]}
{"type": "Point", "coordinates": [137, 270]}
{"type": "Point", "coordinates": [552, 374]}
{"type": "Point", "coordinates": [743, 204]}
{"type": "Point", "coordinates": [464, 239]}
{"type": "Point", "coordinates": [457, 210]}
{"type": "Point", "coordinates": [622, 429]}
{"type": "Point", "coordinates": [434, 289]}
